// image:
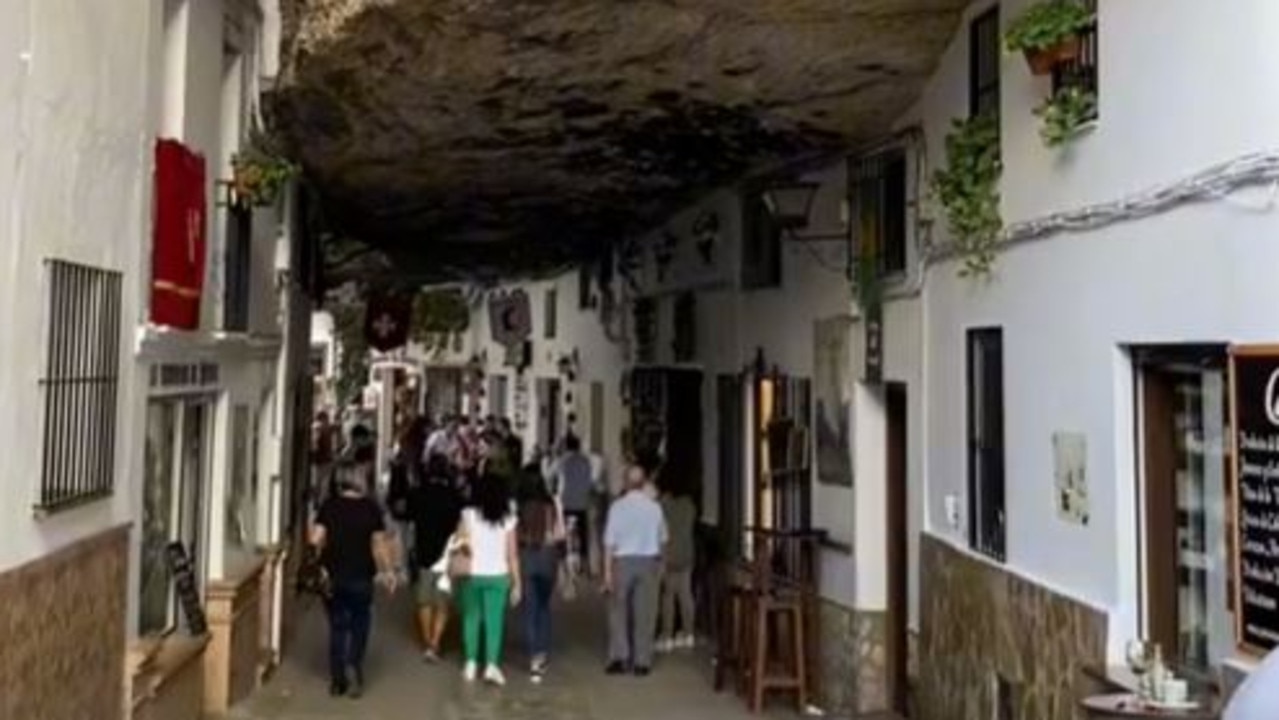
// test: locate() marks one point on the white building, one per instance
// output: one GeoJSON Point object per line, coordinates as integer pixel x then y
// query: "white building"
{"type": "Point", "coordinates": [122, 435]}
{"type": "Point", "coordinates": [1045, 454]}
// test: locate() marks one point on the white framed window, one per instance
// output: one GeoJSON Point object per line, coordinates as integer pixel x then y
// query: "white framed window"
{"type": "Point", "coordinates": [178, 443]}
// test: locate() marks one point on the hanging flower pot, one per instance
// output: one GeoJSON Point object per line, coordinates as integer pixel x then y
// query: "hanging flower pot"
{"type": "Point", "coordinates": [1048, 33]}
{"type": "Point", "coordinates": [1044, 60]}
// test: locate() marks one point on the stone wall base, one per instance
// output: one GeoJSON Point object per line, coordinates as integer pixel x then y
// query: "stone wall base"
{"type": "Point", "coordinates": [62, 632]}
{"type": "Point", "coordinates": [987, 633]}
{"type": "Point", "coordinates": [854, 679]}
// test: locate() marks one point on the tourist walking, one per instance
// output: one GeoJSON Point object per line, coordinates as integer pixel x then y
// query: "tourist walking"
{"type": "Point", "coordinates": [573, 479]}
{"type": "Point", "coordinates": [349, 535]}
{"type": "Point", "coordinates": [487, 531]}
{"type": "Point", "coordinates": [540, 534]}
{"type": "Point", "coordinates": [680, 513]}
{"type": "Point", "coordinates": [434, 507]}
{"type": "Point", "coordinates": [634, 539]}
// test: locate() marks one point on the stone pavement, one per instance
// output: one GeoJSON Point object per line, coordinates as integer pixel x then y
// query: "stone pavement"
{"type": "Point", "coordinates": [400, 686]}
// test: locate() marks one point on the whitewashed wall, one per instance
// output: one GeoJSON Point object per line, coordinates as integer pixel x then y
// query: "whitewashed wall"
{"type": "Point", "coordinates": [75, 146]}
{"type": "Point", "coordinates": [1068, 303]}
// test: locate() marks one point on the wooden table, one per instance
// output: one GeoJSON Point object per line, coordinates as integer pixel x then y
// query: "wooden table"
{"type": "Point", "coordinates": [1127, 705]}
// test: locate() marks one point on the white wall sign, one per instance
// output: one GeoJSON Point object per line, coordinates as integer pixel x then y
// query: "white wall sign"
{"type": "Point", "coordinates": [1069, 462]}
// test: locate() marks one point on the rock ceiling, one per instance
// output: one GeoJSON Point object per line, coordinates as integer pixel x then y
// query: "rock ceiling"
{"type": "Point", "coordinates": [463, 136]}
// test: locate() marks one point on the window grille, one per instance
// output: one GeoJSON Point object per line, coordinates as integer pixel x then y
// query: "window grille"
{"type": "Point", "coordinates": [1082, 71]}
{"type": "Point", "coordinates": [80, 384]}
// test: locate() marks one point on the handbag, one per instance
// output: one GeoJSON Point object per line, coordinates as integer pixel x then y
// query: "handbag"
{"type": "Point", "coordinates": [459, 561]}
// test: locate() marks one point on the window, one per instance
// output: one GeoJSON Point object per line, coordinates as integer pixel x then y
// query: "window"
{"type": "Point", "coordinates": [176, 456]}
{"type": "Point", "coordinates": [80, 384]}
{"type": "Point", "coordinates": [984, 49]}
{"type": "Point", "coordinates": [644, 315]}
{"type": "Point", "coordinates": [761, 245]}
{"type": "Point", "coordinates": [1183, 412]}
{"type": "Point", "coordinates": [1081, 72]}
{"type": "Point", "coordinates": [551, 314]}
{"type": "Point", "coordinates": [879, 194]}
{"type": "Point", "coordinates": [986, 528]}
{"type": "Point", "coordinates": [239, 259]}
{"type": "Point", "coordinates": [684, 346]}
{"type": "Point", "coordinates": [584, 287]}
{"type": "Point", "coordinates": [498, 392]}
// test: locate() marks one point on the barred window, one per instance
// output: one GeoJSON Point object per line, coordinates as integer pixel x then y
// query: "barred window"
{"type": "Point", "coordinates": [80, 384]}
{"type": "Point", "coordinates": [1082, 71]}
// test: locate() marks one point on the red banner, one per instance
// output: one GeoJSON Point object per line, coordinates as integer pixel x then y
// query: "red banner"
{"type": "Point", "coordinates": [178, 255]}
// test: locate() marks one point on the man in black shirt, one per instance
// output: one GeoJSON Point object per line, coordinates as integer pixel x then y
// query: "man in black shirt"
{"type": "Point", "coordinates": [434, 507]}
{"type": "Point", "coordinates": [350, 535]}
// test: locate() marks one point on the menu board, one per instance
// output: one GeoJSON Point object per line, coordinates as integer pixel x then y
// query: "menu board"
{"type": "Point", "coordinates": [184, 583]}
{"type": "Point", "coordinates": [1254, 380]}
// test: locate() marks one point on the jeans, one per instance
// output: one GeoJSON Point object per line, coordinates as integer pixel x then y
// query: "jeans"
{"type": "Point", "coordinates": [539, 567]}
{"type": "Point", "coordinates": [579, 520]}
{"type": "Point", "coordinates": [350, 614]}
{"type": "Point", "coordinates": [484, 599]}
{"type": "Point", "coordinates": [677, 594]}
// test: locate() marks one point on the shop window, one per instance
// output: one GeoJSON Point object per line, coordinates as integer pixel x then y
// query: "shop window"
{"type": "Point", "coordinates": [239, 520]}
{"type": "Point", "coordinates": [176, 456]}
{"type": "Point", "coordinates": [986, 511]}
{"type": "Point", "coordinates": [1082, 71]}
{"type": "Point", "coordinates": [1183, 418]}
{"type": "Point", "coordinates": [80, 384]}
{"type": "Point", "coordinates": [984, 55]}
{"type": "Point", "coordinates": [761, 245]}
{"type": "Point", "coordinates": [879, 196]}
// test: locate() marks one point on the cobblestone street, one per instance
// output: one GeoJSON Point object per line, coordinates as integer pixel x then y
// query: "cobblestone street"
{"type": "Point", "coordinates": [400, 686]}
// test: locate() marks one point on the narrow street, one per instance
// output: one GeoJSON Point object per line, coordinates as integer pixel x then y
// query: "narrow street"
{"type": "Point", "coordinates": [400, 685]}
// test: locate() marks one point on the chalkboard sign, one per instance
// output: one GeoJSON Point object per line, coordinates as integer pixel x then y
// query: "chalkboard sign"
{"type": "Point", "coordinates": [184, 584]}
{"type": "Point", "coordinates": [1254, 381]}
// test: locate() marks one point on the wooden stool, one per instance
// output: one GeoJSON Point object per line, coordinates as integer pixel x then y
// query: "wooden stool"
{"type": "Point", "coordinates": [774, 667]}
{"type": "Point", "coordinates": [730, 636]}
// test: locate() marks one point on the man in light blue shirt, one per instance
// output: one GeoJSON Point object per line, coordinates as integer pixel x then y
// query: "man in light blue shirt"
{"type": "Point", "coordinates": [634, 540]}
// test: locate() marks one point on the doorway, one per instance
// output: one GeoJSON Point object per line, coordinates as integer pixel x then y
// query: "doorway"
{"type": "Point", "coordinates": [897, 546]}
{"type": "Point", "coordinates": [548, 412]}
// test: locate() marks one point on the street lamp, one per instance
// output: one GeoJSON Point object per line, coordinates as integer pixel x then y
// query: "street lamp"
{"type": "Point", "coordinates": [790, 204]}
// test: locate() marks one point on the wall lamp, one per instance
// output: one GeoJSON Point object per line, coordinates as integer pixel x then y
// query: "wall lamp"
{"type": "Point", "coordinates": [791, 205]}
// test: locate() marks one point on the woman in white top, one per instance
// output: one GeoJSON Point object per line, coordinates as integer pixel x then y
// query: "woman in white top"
{"type": "Point", "coordinates": [488, 529]}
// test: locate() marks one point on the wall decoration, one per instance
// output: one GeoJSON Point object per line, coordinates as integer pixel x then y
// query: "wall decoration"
{"type": "Point", "coordinates": [706, 236]}
{"type": "Point", "coordinates": [664, 253]}
{"type": "Point", "coordinates": [645, 316]}
{"type": "Point", "coordinates": [834, 399]}
{"type": "Point", "coordinates": [520, 402]}
{"type": "Point", "coordinates": [387, 319]}
{"type": "Point", "coordinates": [510, 318]}
{"type": "Point", "coordinates": [1069, 460]}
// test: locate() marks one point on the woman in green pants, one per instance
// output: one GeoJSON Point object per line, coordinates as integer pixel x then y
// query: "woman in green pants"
{"type": "Point", "coordinates": [488, 530]}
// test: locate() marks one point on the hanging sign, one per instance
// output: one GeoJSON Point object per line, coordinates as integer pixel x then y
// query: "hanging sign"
{"type": "Point", "coordinates": [1254, 384]}
{"type": "Point", "coordinates": [387, 319]}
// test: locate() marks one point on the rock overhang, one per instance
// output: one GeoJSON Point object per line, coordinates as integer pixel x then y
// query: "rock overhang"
{"type": "Point", "coordinates": [481, 136]}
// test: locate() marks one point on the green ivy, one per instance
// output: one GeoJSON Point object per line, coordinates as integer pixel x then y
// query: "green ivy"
{"type": "Point", "coordinates": [438, 312]}
{"type": "Point", "coordinates": [1066, 114]}
{"type": "Point", "coordinates": [353, 369]}
{"type": "Point", "coordinates": [1045, 24]}
{"type": "Point", "coordinates": [968, 189]}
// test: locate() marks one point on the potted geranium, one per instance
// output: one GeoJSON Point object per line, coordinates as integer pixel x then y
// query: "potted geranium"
{"type": "Point", "coordinates": [1048, 33]}
{"type": "Point", "coordinates": [259, 171]}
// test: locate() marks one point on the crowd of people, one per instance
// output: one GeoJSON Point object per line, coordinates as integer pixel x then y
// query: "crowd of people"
{"type": "Point", "coordinates": [479, 528]}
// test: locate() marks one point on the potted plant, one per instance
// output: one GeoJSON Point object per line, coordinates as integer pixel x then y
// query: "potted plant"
{"type": "Point", "coordinates": [259, 170]}
{"type": "Point", "coordinates": [968, 189]}
{"type": "Point", "coordinates": [1066, 114]}
{"type": "Point", "coordinates": [1048, 33]}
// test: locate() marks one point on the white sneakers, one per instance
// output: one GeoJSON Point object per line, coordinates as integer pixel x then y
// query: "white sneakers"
{"type": "Point", "coordinates": [494, 676]}
{"type": "Point", "coordinates": [681, 642]}
{"type": "Point", "coordinates": [469, 671]}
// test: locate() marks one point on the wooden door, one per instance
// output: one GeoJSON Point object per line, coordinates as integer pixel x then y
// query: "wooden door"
{"type": "Point", "coordinates": [897, 547]}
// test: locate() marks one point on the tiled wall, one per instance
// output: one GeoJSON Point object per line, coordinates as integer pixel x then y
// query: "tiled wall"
{"type": "Point", "coordinates": [979, 623]}
{"type": "Point", "coordinates": [62, 632]}
{"type": "Point", "coordinates": [853, 667]}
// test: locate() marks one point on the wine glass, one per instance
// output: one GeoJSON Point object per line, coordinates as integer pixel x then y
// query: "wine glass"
{"type": "Point", "coordinates": [1140, 660]}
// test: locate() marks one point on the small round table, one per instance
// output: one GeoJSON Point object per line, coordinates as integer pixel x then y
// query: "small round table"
{"type": "Point", "coordinates": [1128, 705]}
